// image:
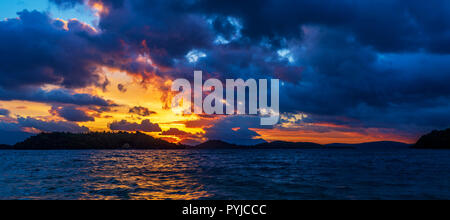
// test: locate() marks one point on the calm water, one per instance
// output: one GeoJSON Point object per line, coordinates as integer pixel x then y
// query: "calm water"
{"type": "Point", "coordinates": [225, 174]}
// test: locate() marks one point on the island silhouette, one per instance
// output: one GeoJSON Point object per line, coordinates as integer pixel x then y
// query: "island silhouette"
{"type": "Point", "coordinates": [434, 140]}
{"type": "Point", "coordinates": [141, 141]}
{"type": "Point", "coordinates": [137, 140]}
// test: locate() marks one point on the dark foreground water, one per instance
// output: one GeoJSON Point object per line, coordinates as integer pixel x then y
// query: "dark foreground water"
{"type": "Point", "coordinates": [225, 174]}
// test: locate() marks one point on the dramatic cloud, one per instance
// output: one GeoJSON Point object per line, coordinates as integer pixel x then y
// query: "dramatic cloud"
{"type": "Point", "coordinates": [67, 3]}
{"type": "Point", "coordinates": [348, 82]}
{"type": "Point", "coordinates": [178, 40]}
{"type": "Point", "coordinates": [4, 112]}
{"type": "Point", "coordinates": [72, 113]}
{"type": "Point", "coordinates": [37, 50]}
{"type": "Point", "coordinates": [235, 130]}
{"type": "Point", "coordinates": [141, 111]}
{"type": "Point", "coordinates": [53, 96]}
{"type": "Point", "coordinates": [51, 126]}
{"type": "Point", "coordinates": [352, 65]}
{"type": "Point", "coordinates": [387, 25]}
{"type": "Point", "coordinates": [40, 125]}
{"type": "Point", "coordinates": [175, 132]}
{"type": "Point", "coordinates": [145, 126]}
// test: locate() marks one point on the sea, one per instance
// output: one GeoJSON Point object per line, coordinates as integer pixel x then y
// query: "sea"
{"type": "Point", "coordinates": [313, 174]}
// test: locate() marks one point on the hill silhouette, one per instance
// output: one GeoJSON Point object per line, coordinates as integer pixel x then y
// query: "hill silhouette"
{"type": "Point", "coordinates": [95, 140]}
{"type": "Point", "coordinates": [138, 140]}
{"type": "Point", "coordinates": [216, 144]}
{"type": "Point", "coordinates": [434, 140]}
{"type": "Point", "coordinates": [373, 145]}
{"type": "Point", "coordinates": [288, 145]}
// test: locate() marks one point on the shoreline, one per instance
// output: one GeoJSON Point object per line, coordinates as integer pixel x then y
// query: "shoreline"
{"type": "Point", "coordinates": [194, 149]}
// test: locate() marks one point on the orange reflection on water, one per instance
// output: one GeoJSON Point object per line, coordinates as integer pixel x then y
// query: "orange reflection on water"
{"type": "Point", "coordinates": [144, 175]}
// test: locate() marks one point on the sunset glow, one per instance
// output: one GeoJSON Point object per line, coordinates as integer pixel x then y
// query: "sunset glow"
{"type": "Point", "coordinates": [118, 69]}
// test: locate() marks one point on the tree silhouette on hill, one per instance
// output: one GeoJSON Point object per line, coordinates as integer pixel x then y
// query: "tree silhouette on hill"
{"type": "Point", "coordinates": [95, 140]}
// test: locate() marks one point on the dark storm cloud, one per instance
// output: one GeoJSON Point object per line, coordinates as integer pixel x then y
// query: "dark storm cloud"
{"type": "Point", "coordinates": [51, 126]}
{"type": "Point", "coordinates": [167, 34]}
{"type": "Point", "coordinates": [224, 27]}
{"type": "Point", "coordinates": [72, 113]}
{"type": "Point", "coordinates": [36, 50]}
{"type": "Point", "coordinates": [67, 3]}
{"type": "Point", "coordinates": [387, 25]}
{"type": "Point", "coordinates": [361, 63]}
{"type": "Point", "coordinates": [360, 87]}
{"type": "Point", "coordinates": [54, 96]}
{"type": "Point", "coordinates": [172, 28]}
{"type": "Point", "coordinates": [145, 126]}
{"type": "Point", "coordinates": [230, 61]}
{"type": "Point", "coordinates": [4, 112]}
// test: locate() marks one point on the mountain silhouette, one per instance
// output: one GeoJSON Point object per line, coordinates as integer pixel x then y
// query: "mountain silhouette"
{"type": "Point", "coordinates": [386, 145]}
{"type": "Point", "coordinates": [288, 145]}
{"type": "Point", "coordinates": [434, 140]}
{"type": "Point", "coordinates": [216, 144]}
{"type": "Point", "coordinates": [95, 140]}
{"type": "Point", "coordinates": [138, 140]}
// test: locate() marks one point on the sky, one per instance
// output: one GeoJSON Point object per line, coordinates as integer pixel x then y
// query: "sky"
{"type": "Point", "coordinates": [9, 9]}
{"type": "Point", "coordinates": [351, 71]}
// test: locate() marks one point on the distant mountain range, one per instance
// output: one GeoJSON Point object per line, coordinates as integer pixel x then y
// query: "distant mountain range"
{"type": "Point", "coordinates": [215, 144]}
{"type": "Point", "coordinates": [374, 145]}
{"type": "Point", "coordinates": [304, 145]}
{"type": "Point", "coordinates": [125, 140]}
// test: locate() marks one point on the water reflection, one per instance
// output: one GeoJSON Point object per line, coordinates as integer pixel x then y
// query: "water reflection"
{"type": "Point", "coordinates": [225, 174]}
{"type": "Point", "coordinates": [144, 175]}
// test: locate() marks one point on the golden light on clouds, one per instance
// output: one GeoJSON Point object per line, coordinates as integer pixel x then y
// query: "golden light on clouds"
{"type": "Point", "coordinates": [26, 109]}
{"type": "Point", "coordinates": [128, 91]}
{"type": "Point", "coordinates": [98, 7]}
